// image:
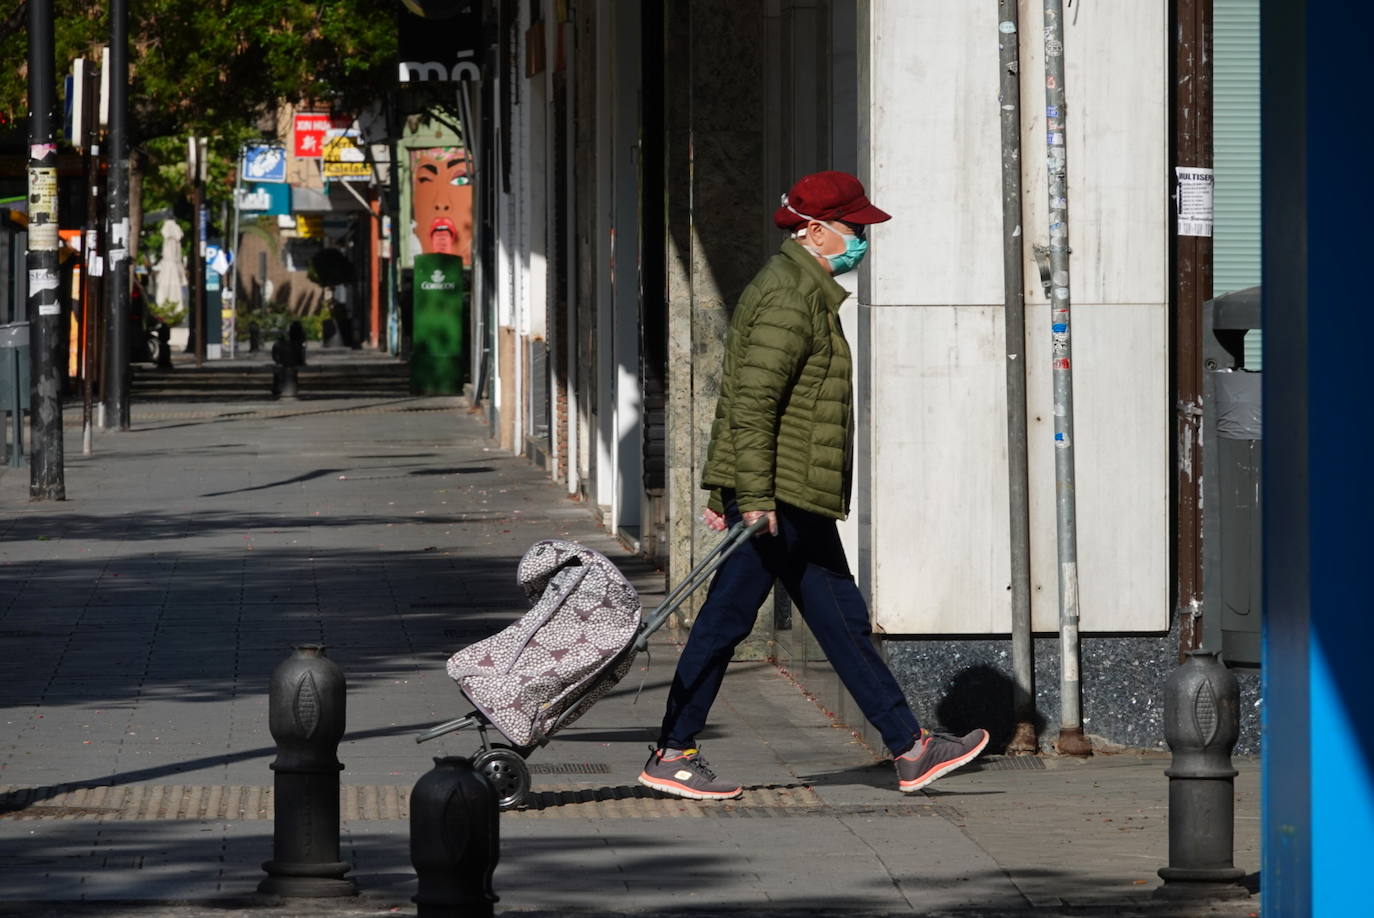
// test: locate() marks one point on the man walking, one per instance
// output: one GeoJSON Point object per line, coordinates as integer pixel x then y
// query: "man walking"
{"type": "Point", "coordinates": [782, 450]}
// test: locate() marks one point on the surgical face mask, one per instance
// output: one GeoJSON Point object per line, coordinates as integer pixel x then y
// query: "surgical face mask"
{"type": "Point", "coordinates": [855, 248]}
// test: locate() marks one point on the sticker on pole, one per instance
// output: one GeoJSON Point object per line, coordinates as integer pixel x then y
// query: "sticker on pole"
{"type": "Point", "coordinates": [1194, 198]}
{"type": "Point", "coordinates": [42, 280]}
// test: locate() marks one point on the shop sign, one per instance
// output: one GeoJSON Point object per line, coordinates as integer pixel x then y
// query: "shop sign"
{"type": "Point", "coordinates": [309, 130]}
{"type": "Point", "coordinates": [343, 156]}
{"type": "Point", "coordinates": [264, 163]}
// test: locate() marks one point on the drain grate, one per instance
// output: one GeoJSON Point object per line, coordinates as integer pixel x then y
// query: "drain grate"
{"type": "Point", "coordinates": [569, 768]}
{"type": "Point", "coordinates": [1009, 763]}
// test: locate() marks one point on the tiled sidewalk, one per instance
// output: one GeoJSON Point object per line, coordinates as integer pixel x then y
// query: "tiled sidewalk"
{"type": "Point", "coordinates": [140, 619]}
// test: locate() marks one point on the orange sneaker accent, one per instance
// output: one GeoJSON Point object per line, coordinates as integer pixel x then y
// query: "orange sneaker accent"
{"type": "Point", "coordinates": [949, 754]}
{"type": "Point", "coordinates": [678, 789]}
{"type": "Point", "coordinates": [685, 774]}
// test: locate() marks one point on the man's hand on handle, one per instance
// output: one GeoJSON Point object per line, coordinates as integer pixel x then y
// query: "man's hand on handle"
{"type": "Point", "coordinates": [752, 516]}
{"type": "Point", "coordinates": [716, 521]}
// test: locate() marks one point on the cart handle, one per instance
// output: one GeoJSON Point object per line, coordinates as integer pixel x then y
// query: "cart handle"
{"type": "Point", "coordinates": [447, 727]}
{"type": "Point", "coordinates": [735, 536]}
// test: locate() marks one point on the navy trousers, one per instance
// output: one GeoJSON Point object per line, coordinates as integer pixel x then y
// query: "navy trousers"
{"type": "Point", "coordinates": [807, 558]}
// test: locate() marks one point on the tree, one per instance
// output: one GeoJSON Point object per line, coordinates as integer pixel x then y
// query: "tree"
{"type": "Point", "coordinates": [218, 67]}
{"type": "Point", "coordinates": [214, 68]}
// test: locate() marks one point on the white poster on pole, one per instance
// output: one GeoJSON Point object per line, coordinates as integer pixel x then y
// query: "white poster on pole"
{"type": "Point", "coordinates": [1194, 201]}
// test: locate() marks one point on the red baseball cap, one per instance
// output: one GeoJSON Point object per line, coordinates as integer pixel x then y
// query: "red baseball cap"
{"type": "Point", "coordinates": [827, 196]}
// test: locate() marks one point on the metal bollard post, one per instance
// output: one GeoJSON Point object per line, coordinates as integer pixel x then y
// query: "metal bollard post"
{"type": "Point", "coordinates": [454, 840]}
{"type": "Point", "coordinates": [1201, 724]}
{"type": "Point", "coordinates": [164, 346]}
{"type": "Point", "coordinates": [284, 370]}
{"type": "Point", "coordinates": [306, 716]}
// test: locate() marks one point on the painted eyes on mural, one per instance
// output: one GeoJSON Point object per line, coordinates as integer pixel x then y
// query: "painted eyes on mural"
{"type": "Point", "coordinates": [458, 180]}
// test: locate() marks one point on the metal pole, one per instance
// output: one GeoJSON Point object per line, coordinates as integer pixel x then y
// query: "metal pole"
{"type": "Point", "coordinates": [90, 299]}
{"type": "Point", "coordinates": [46, 480]}
{"type": "Point", "coordinates": [374, 247]}
{"type": "Point", "coordinates": [1071, 739]}
{"type": "Point", "coordinates": [193, 321]}
{"type": "Point", "coordinates": [98, 326]}
{"type": "Point", "coordinates": [231, 283]}
{"type": "Point", "coordinates": [228, 330]}
{"type": "Point", "coordinates": [115, 390]}
{"type": "Point", "coordinates": [1192, 286]}
{"type": "Point", "coordinates": [197, 265]}
{"type": "Point", "coordinates": [1024, 740]}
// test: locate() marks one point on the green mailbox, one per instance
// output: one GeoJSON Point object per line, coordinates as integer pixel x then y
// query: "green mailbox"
{"type": "Point", "coordinates": [439, 331]}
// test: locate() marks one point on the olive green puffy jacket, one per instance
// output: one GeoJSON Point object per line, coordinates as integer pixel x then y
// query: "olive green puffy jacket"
{"type": "Point", "coordinates": [782, 430]}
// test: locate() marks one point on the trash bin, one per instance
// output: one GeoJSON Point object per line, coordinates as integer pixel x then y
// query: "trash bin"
{"type": "Point", "coordinates": [1231, 434]}
{"type": "Point", "coordinates": [14, 388]}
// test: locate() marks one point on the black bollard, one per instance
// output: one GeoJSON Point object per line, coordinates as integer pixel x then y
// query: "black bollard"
{"type": "Point", "coordinates": [306, 716]}
{"type": "Point", "coordinates": [1201, 724]}
{"type": "Point", "coordinates": [288, 356]}
{"type": "Point", "coordinates": [455, 840]}
{"type": "Point", "coordinates": [254, 338]}
{"type": "Point", "coordinates": [164, 346]}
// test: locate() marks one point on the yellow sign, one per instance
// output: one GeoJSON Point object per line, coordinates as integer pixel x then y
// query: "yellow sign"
{"type": "Point", "coordinates": [343, 156]}
{"type": "Point", "coordinates": [309, 226]}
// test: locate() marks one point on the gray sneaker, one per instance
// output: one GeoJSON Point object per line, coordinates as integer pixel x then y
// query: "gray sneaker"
{"type": "Point", "coordinates": [684, 773]}
{"type": "Point", "coordinates": [936, 754]}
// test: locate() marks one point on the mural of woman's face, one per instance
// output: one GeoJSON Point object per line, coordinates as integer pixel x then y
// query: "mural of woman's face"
{"type": "Point", "coordinates": [443, 203]}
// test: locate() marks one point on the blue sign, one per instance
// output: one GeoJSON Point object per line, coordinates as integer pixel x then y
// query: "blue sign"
{"type": "Point", "coordinates": [264, 163]}
{"type": "Point", "coordinates": [266, 199]}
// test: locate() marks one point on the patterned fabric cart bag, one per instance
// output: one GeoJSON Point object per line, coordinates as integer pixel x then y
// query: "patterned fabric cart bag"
{"type": "Point", "coordinates": [563, 655]}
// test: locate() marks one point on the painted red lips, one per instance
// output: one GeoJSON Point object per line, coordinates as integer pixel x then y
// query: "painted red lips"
{"type": "Point", "coordinates": [442, 234]}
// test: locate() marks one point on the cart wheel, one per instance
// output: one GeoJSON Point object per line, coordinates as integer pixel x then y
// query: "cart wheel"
{"type": "Point", "coordinates": [506, 770]}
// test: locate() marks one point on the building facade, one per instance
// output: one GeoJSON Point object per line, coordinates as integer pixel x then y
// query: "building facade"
{"type": "Point", "coordinates": [629, 157]}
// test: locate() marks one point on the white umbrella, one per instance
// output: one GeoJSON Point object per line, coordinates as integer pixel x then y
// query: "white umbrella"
{"type": "Point", "coordinates": [171, 271]}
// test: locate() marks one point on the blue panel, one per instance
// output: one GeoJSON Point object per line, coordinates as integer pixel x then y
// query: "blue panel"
{"type": "Point", "coordinates": [1319, 491]}
{"type": "Point", "coordinates": [1286, 840]}
{"type": "Point", "coordinates": [1341, 449]}
{"type": "Point", "coordinates": [1285, 882]}
{"type": "Point", "coordinates": [1342, 777]}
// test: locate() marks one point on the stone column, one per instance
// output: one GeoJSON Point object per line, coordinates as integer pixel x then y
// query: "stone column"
{"type": "Point", "coordinates": [584, 205]}
{"type": "Point", "coordinates": [715, 240]}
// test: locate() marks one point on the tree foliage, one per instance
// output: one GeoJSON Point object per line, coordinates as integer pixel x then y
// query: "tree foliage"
{"type": "Point", "coordinates": [219, 67]}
